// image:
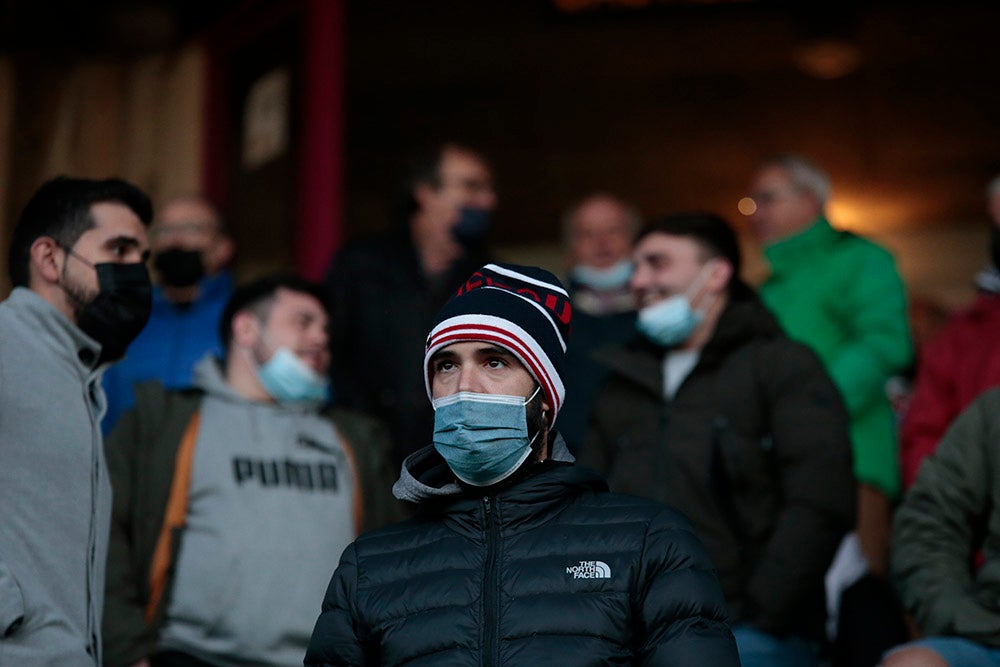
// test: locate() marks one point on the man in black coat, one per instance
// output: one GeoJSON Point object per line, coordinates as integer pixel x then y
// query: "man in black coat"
{"type": "Point", "coordinates": [384, 291]}
{"type": "Point", "coordinates": [712, 409]}
{"type": "Point", "coordinates": [516, 556]}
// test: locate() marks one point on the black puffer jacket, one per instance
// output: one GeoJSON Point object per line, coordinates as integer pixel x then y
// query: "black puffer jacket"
{"type": "Point", "coordinates": [753, 448]}
{"type": "Point", "coordinates": [553, 570]}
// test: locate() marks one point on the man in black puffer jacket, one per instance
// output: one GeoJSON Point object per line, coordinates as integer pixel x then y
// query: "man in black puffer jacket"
{"type": "Point", "coordinates": [713, 409]}
{"type": "Point", "coordinates": [516, 556]}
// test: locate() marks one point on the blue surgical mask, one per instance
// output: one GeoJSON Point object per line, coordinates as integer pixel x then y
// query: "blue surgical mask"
{"type": "Point", "coordinates": [482, 437]}
{"type": "Point", "coordinates": [612, 278]}
{"type": "Point", "coordinates": [288, 379]}
{"type": "Point", "coordinates": [472, 226]}
{"type": "Point", "coordinates": [673, 320]}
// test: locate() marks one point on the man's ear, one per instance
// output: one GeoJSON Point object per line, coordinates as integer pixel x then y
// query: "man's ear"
{"type": "Point", "coordinates": [46, 261]}
{"type": "Point", "coordinates": [246, 329]}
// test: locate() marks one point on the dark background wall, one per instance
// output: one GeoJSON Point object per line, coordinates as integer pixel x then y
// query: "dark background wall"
{"type": "Point", "coordinates": [671, 105]}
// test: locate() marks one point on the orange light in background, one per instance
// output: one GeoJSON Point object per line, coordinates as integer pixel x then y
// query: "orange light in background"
{"type": "Point", "coordinates": [747, 206]}
{"type": "Point", "coordinates": [867, 214]}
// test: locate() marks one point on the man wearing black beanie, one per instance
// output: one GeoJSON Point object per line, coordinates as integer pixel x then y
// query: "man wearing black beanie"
{"type": "Point", "coordinates": [516, 556]}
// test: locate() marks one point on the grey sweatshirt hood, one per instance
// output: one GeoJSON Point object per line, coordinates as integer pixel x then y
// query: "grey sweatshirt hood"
{"type": "Point", "coordinates": [425, 474]}
{"type": "Point", "coordinates": [210, 377]}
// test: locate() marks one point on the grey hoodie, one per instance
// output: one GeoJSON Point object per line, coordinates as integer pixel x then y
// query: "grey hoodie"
{"type": "Point", "coordinates": [55, 491]}
{"type": "Point", "coordinates": [425, 475]}
{"type": "Point", "coordinates": [271, 508]}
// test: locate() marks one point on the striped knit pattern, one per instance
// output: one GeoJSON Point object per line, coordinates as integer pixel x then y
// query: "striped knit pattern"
{"type": "Point", "coordinates": [522, 309]}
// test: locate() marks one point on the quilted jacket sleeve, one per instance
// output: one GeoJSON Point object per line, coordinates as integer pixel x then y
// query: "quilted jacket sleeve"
{"type": "Point", "coordinates": [681, 613]}
{"type": "Point", "coordinates": [935, 535]}
{"type": "Point", "coordinates": [337, 638]}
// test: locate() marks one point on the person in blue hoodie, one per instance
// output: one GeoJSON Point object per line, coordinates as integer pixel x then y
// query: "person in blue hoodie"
{"type": "Point", "coordinates": [191, 251]}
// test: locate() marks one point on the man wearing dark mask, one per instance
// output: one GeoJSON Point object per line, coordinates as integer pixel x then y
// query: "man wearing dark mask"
{"type": "Point", "coordinates": [234, 500]}
{"type": "Point", "coordinates": [81, 293]}
{"type": "Point", "coordinates": [191, 251]}
{"type": "Point", "coordinates": [385, 291]}
{"type": "Point", "coordinates": [516, 556]}
{"type": "Point", "coordinates": [712, 409]}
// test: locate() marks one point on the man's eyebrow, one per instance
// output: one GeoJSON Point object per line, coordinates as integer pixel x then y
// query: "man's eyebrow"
{"type": "Point", "coordinates": [122, 240]}
{"type": "Point", "coordinates": [442, 354]}
{"type": "Point", "coordinates": [495, 350]}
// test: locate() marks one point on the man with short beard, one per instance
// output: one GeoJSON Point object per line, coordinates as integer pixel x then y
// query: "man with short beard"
{"type": "Point", "coordinates": [516, 556]}
{"type": "Point", "coordinates": [191, 251]}
{"type": "Point", "coordinates": [81, 294]}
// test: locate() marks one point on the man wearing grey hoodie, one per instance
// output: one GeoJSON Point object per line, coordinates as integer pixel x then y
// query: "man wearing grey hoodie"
{"type": "Point", "coordinates": [81, 293]}
{"type": "Point", "coordinates": [234, 500]}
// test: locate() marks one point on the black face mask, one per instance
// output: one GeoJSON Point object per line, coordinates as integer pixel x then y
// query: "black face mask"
{"type": "Point", "coordinates": [179, 267]}
{"type": "Point", "coordinates": [121, 308]}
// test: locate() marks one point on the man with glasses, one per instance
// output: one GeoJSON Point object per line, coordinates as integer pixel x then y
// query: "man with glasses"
{"type": "Point", "coordinates": [191, 250]}
{"type": "Point", "coordinates": [841, 295]}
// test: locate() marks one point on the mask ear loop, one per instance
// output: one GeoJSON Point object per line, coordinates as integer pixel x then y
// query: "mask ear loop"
{"type": "Point", "coordinates": [699, 282]}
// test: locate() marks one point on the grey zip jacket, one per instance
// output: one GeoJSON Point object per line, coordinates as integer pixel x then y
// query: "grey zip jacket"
{"type": "Point", "coordinates": [56, 497]}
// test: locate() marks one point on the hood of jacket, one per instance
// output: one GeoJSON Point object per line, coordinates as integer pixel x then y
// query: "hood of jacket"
{"type": "Point", "coordinates": [425, 476]}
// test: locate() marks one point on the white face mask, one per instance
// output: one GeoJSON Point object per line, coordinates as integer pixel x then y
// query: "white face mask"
{"type": "Point", "coordinates": [673, 320]}
{"type": "Point", "coordinates": [615, 276]}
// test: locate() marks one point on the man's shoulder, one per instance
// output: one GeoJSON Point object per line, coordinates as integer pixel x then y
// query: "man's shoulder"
{"type": "Point", "coordinates": [610, 508]}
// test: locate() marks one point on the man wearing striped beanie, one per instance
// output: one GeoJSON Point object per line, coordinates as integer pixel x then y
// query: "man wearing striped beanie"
{"type": "Point", "coordinates": [516, 556]}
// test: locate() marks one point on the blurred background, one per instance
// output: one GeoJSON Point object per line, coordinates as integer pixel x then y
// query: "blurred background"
{"type": "Point", "coordinates": [296, 117]}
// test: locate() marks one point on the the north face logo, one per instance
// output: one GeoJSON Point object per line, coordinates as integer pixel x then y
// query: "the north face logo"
{"type": "Point", "coordinates": [590, 569]}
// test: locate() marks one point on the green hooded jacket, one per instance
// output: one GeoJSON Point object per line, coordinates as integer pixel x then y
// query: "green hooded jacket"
{"type": "Point", "coordinates": [841, 295]}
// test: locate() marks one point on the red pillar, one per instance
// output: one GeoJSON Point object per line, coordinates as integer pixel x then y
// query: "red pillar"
{"type": "Point", "coordinates": [320, 225]}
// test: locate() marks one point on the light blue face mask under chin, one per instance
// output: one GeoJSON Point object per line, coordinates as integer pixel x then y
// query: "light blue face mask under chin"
{"type": "Point", "coordinates": [612, 278]}
{"type": "Point", "coordinates": [482, 437]}
{"type": "Point", "coordinates": [288, 379]}
{"type": "Point", "coordinates": [669, 322]}
{"type": "Point", "coordinates": [673, 320]}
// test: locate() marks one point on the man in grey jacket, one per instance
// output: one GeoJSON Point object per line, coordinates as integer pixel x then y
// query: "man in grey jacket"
{"type": "Point", "coordinates": [81, 293]}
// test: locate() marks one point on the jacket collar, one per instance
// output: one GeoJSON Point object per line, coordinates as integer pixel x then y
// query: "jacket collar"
{"type": "Point", "coordinates": [795, 249]}
{"type": "Point", "coordinates": [744, 319]}
{"type": "Point", "coordinates": [62, 336]}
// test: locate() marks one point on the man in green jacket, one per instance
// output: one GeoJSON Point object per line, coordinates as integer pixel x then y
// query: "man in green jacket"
{"type": "Point", "coordinates": [949, 516]}
{"type": "Point", "coordinates": [841, 295]}
{"type": "Point", "coordinates": [233, 501]}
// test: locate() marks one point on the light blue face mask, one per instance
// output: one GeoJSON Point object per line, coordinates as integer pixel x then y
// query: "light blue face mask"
{"type": "Point", "coordinates": [673, 320]}
{"type": "Point", "coordinates": [613, 277]}
{"type": "Point", "coordinates": [288, 379]}
{"type": "Point", "coordinates": [482, 437]}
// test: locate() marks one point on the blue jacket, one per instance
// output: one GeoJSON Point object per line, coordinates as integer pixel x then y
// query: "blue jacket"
{"type": "Point", "coordinates": [174, 340]}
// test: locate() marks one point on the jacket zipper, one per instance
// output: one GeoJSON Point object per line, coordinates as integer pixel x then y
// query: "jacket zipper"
{"type": "Point", "coordinates": [491, 585]}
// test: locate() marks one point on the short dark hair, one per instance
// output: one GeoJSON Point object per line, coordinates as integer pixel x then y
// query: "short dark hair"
{"type": "Point", "coordinates": [258, 296]}
{"type": "Point", "coordinates": [61, 209]}
{"type": "Point", "coordinates": [715, 236]}
{"type": "Point", "coordinates": [425, 169]}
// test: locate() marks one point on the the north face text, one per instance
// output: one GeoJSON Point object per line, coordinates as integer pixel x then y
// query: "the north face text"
{"type": "Point", "coordinates": [590, 569]}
